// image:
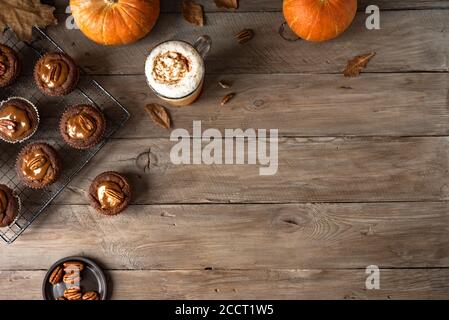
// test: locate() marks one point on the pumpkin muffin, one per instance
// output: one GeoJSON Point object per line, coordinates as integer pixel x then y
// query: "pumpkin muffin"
{"type": "Point", "coordinates": [110, 193]}
{"type": "Point", "coordinates": [82, 126]}
{"type": "Point", "coordinates": [9, 65]}
{"type": "Point", "coordinates": [9, 206]}
{"type": "Point", "coordinates": [19, 120]}
{"type": "Point", "coordinates": [56, 74]}
{"type": "Point", "coordinates": [38, 165]}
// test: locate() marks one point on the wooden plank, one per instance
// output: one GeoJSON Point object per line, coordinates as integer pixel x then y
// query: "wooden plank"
{"type": "Point", "coordinates": [292, 236]}
{"type": "Point", "coordinates": [276, 5]}
{"type": "Point", "coordinates": [310, 170]}
{"type": "Point", "coordinates": [256, 284]}
{"type": "Point", "coordinates": [408, 41]}
{"type": "Point", "coordinates": [374, 104]}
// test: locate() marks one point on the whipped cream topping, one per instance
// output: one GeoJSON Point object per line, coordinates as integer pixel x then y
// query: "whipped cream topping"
{"type": "Point", "coordinates": [174, 69]}
{"type": "Point", "coordinates": [170, 67]}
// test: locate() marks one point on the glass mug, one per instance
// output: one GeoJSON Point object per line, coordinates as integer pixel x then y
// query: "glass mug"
{"type": "Point", "coordinates": [175, 70]}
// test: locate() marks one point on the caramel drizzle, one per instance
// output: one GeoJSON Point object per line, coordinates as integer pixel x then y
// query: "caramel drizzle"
{"type": "Point", "coordinates": [14, 122]}
{"type": "Point", "coordinates": [35, 165]}
{"type": "Point", "coordinates": [81, 126]}
{"type": "Point", "coordinates": [54, 72]}
{"type": "Point", "coordinates": [110, 195]}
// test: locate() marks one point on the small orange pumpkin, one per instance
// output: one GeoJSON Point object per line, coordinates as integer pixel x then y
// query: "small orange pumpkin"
{"type": "Point", "coordinates": [319, 20]}
{"type": "Point", "coordinates": [115, 22]}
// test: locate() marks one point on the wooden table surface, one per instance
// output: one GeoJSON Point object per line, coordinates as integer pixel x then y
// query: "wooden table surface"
{"type": "Point", "coordinates": [363, 167]}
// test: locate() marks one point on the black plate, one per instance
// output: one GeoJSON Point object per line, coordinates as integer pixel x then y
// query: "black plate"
{"type": "Point", "coordinates": [92, 279]}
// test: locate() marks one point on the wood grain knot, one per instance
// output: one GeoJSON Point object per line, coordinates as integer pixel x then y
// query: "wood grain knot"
{"type": "Point", "coordinates": [143, 161]}
{"type": "Point", "coordinates": [258, 103]}
{"type": "Point", "coordinates": [291, 223]}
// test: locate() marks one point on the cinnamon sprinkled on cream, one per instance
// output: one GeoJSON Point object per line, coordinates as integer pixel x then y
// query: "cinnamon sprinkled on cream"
{"type": "Point", "coordinates": [174, 69]}
{"type": "Point", "coordinates": [170, 67]}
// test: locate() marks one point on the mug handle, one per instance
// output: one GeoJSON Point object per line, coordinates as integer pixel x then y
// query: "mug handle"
{"type": "Point", "coordinates": [203, 45]}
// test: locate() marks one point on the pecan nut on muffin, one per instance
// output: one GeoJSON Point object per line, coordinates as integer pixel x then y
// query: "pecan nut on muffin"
{"type": "Point", "coordinates": [9, 65]}
{"type": "Point", "coordinates": [82, 126]}
{"type": "Point", "coordinates": [19, 120]}
{"type": "Point", "coordinates": [110, 193]}
{"type": "Point", "coordinates": [9, 206]}
{"type": "Point", "coordinates": [38, 165]}
{"type": "Point", "coordinates": [56, 74]}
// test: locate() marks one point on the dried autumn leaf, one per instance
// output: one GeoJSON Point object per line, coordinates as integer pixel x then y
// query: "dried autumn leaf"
{"type": "Point", "coordinates": [357, 64]}
{"type": "Point", "coordinates": [22, 15]}
{"type": "Point", "coordinates": [228, 4]}
{"type": "Point", "coordinates": [224, 84]}
{"type": "Point", "coordinates": [159, 115]}
{"type": "Point", "coordinates": [193, 12]}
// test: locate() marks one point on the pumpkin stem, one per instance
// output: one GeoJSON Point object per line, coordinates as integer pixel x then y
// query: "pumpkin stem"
{"type": "Point", "coordinates": [111, 1]}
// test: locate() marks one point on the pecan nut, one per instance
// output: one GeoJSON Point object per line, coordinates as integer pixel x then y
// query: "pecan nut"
{"type": "Point", "coordinates": [7, 126]}
{"type": "Point", "coordinates": [227, 98]}
{"type": "Point", "coordinates": [55, 72]}
{"type": "Point", "coordinates": [56, 275]}
{"type": "Point", "coordinates": [73, 266]}
{"type": "Point", "coordinates": [72, 278]}
{"type": "Point", "coordinates": [114, 194]}
{"type": "Point", "coordinates": [37, 162]}
{"type": "Point", "coordinates": [91, 295]}
{"type": "Point", "coordinates": [244, 36]}
{"type": "Point", "coordinates": [86, 123]}
{"type": "Point", "coordinates": [73, 293]}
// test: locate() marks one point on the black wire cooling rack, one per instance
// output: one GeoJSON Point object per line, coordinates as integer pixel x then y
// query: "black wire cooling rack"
{"type": "Point", "coordinates": [34, 202]}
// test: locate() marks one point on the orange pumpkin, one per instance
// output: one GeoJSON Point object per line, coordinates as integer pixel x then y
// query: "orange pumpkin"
{"type": "Point", "coordinates": [115, 22]}
{"type": "Point", "coordinates": [319, 20]}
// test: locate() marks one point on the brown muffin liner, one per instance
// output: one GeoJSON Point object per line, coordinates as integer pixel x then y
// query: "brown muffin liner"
{"type": "Point", "coordinates": [57, 93]}
{"type": "Point", "coordinates": [54, 158]}
{"type": "Point", "coordinates": [91, 144]}
{"type": "Point", "coordinates": [18, 68]}
{"type": "Point", "coordinates": [94, 201]}
{"type": "Point", "coordinates": [19, 208]}
{"type": "Point", "coordinates": [37, 118]}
